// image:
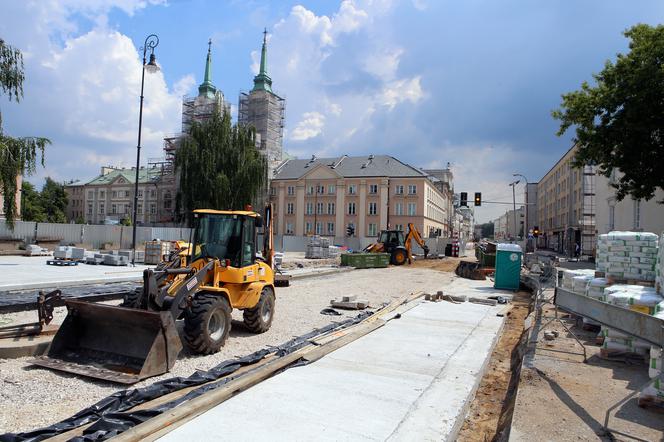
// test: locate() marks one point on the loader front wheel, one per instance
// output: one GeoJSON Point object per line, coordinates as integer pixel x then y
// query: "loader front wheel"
{"type": "Point", "coordinates": [132, 299]}
{"type": "Point", "coordinates": [259, 318]}
{"type": "Point", "coordinates": [207, 323]}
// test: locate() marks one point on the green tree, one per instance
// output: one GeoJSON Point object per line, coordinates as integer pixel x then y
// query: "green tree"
{"type": "Point", "coordinates": [219, 166]}
{"type": "Point", "coordinates": [54, 201]}
{"type": "Point", "coordinates": [619, 121]}
{"type": "Point", "coordinates": [31, 208]}
{"type": "Point", "coordinates": [487, 230]}
{"type": "Point", "coordinates": [17, 155]}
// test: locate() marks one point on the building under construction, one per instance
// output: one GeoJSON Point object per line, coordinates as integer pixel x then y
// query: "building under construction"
{"type": "Point", "coordinates": [264, 110]}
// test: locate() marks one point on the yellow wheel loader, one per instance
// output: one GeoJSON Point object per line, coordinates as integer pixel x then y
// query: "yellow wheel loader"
{"type": "Point", "coordinates": [201, 284]}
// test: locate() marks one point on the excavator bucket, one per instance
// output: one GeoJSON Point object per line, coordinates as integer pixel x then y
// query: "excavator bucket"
{"type": "Point", "coordinates": [113, 343]}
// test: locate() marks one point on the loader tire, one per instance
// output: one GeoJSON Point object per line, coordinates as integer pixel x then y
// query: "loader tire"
{"type": "Point", "coordinates": [399, 257]}
{"type": "Point", "coordinates": [132, 299]}
{"type": "Point", "coordinates": [259, 318]}
{"type": "Point", "coordinates": [207, 323]}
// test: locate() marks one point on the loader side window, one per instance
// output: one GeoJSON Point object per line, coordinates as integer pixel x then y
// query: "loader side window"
{"type": "Point", "coordinates": [248, 242]}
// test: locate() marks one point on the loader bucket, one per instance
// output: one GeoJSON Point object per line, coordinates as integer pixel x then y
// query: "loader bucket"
{"type": "Point", "coordinates": [113, 343]}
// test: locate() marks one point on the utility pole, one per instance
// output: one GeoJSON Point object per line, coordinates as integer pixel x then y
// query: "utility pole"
{"type": "Point", "coordinates": [513, 184]}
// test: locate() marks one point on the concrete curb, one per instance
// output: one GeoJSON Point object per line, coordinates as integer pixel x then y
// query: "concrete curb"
{"type": "Point", "coordinates": [322, 273]}
{"type": "Point", "coordinates": [61, 284]}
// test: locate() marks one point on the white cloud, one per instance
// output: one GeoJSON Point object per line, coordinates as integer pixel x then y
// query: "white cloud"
{"type": "Point", "coordinates": [385, 64]}
{"type": "Point", "coordinates": [399, 91]}
{"type": "Point", "coordinates": [310, 126]}
{"type": "Point", "coordinates": [184, 85]}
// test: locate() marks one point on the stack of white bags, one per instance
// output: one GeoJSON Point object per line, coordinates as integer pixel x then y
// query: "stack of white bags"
{"type": "Point", "coordinates": [628, 255]}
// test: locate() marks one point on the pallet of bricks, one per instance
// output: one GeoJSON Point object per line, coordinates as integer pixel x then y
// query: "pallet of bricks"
{"type": "Point", "coordinates": [156, 250]}
{"type": "Point", "coordinates": [628, 264]}
{"type": "Point", "coordinates": [317, 248]}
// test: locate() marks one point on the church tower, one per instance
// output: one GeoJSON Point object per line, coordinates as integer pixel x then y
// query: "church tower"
{"type": "Point", "coordinates": [264, 110]}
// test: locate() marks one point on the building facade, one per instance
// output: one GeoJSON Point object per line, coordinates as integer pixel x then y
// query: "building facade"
{"type": "Point", "coordinates": [326, 196]}
{"type": "Point", "coordinates": [109, 198]}
{"type": "Point", "coordinates": [566, 212]}
{"type": "Point", "coordinates": [628, 214]}
{"type": "Point", "coordinates": [443, 180]}
{"type": "Point", "coordinates": [510, 226]}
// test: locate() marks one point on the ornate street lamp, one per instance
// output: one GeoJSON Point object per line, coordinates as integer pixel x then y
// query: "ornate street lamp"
{"type": "Point", "coordinates": [151, 42]}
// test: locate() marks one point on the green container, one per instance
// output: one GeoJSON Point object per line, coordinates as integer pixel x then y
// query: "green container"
{"type": "Point", "coordinates": [365, 260]}
{"type": "Point", "coordinates": [508, 266]}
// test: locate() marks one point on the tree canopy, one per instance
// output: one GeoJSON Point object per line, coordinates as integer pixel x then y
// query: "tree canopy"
{"type": "Point", "coordinates": [17, 155]}
{"type": "Point", "coordinates": [219, 166]}
{"type": "Point", "coordinates": [619, 121]}
{"type": "Point", "coordinates": [49, 205]}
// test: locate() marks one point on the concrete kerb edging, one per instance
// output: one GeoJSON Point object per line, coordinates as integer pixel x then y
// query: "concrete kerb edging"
{"type": "Point", "coordinates": [61, 284]}
{"type": "Point", "coordinates": [322, 273]}
{"type": "Point", "coordinates": [478, 380]}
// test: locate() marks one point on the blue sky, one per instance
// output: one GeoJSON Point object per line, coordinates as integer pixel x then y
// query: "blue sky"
{"type": "Point", "coordinates": [429, 82]}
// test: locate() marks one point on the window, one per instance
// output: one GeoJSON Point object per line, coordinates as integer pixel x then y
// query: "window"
{"type": "Point", "coordinates": [373, 188]}
{"type": "Point", "coordinates": [331, 189]}
{"type": "Point", "coordinates": [372, 209]}
{"type": "Point", "coordinates": [307, 228]}
{"type": "Point", "coordinates": [637, 214]}
{"type": "Point", "coordinates": [115, 194]}
{"type": "Point", "coordinates": [290, 208]}
{"type": "Point", "coordinates": [90, 209]}
{"type": "Point", "coordinates": [140, 193]}
{"type": "Point", "coordinates": [91, 194]}
{"type": "Point", "coordinates": [320, 189]}
{"type": "Point", "coordinates": [101, 194]}
{"type": "Point", "coordinates": [330, 228]}
{"type": "Point", "coordinates": [412, 189]}
{"type": "Point", "coordinates": [372, 229]}
{"type": "Point", "coordinates": [289, 229]}
{"type": "Point", "coordinates": [351, 208]}
{"type": "Point", "coordinates": [398, 209]}
{"type": "Point", "coordinates": [126, 208]}
{"type": "Point", "coordinates": [412, 209]}
{"type": "Point", "coordinates": [126, 194]}
{"type": "Point", "coordinates": [319, 208]}
{"type": "Point", "coordinates": [310, 190]}
{"type": "Point", "coordinates": [399, 190]}
{"type": "Point", "coordinates": [248, 241]}
{"type": "Point", "coordinates": [612, 217]}
{"type": "Point", "coordinates": [153, 209]}
{"type": "Point", "coordinates": [291, 190]}
{"type": "Point", "coordinates": [114, 209]}
{"type": "Point", "coordinates": [352, 189]}
{"type": "Point", "coordinates": [310, 209]}
{"type": "Point", "coordinates": [273, 191]}
{"type": "Point", "coordinates": [319, 228]}
{"type": "Point", "coordinates": [139, 209]}
{"type": "Point", "coordinates": [330, 208]}
{"type": "Point", "coordinates": [153, 193]}
{"type": "Point", "coordinates": [101, 208]}
{"type": "Point", "coordinates": [167, 204]}
{"type": "Point", "coordinates": [398, 227]}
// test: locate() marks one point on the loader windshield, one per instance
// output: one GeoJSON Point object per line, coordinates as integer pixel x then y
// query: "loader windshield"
{"type": "Point", "coordinates": [219, 236]}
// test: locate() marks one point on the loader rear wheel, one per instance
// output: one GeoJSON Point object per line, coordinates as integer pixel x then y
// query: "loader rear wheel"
{"type": "Point", "coordinates": [259, 318]}
{"type": "Point", "coordinates": [207, 323]}
{"type": "Point", "coordinates": [399, 257]}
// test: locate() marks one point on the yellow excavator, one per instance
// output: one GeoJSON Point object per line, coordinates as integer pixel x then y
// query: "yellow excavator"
{"type": "Point", "coordinates": [201, 283]}
{"type": "Point", "coordinates": [399, 248]}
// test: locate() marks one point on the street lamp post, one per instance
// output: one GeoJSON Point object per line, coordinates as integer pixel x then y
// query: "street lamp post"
{"type": "Point", "coordinates": [525, 208]}
{"type": "Point", "coordinates": [151, 42]}
{"type": "Point", "coordinates": [513, 184]}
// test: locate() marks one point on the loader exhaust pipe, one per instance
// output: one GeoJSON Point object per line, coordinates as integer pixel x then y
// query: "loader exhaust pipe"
{"type": "Point", "coordinates": [113, 343]}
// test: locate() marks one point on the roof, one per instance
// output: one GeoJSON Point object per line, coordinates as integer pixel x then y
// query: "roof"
{"type": "Point", "coordinates": [227, 212]}
{"type": "Point", "coordinates": [350, 167]}
{"type": "Point", "coordinates": [149, 175]}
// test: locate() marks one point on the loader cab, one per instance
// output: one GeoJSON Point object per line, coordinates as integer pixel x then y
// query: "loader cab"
{"type": "Point", "coordinates": [229, 236]}
{"type": "Point", "coordinates": [391, 239]}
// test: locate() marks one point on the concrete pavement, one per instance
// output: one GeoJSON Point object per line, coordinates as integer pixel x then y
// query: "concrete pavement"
{"type": "Point", "coordinates": [412, 379]}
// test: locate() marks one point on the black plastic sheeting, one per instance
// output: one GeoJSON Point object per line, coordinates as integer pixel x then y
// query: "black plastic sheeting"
{"type": "Point", "coordinates": [110, 415]}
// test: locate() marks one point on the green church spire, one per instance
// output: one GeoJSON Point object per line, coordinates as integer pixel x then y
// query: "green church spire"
{"type": "Point", "coordinates": [207, 88]}
{"type": "Point", "coordinates": [262, 81]}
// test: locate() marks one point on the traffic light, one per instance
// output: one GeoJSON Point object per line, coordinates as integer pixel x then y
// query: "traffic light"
{"type": "Point", "coordinates": [350, 230]}
{"type": "Point", "coordinates": [464, 199]}
{"type": "Point", "coordinates": [536, 231]}
{"type": "Point", "coordinates": [478, 198]}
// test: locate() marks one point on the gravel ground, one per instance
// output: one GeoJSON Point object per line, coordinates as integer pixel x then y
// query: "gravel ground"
{"type": "Point", "coordinates": [32, 397]}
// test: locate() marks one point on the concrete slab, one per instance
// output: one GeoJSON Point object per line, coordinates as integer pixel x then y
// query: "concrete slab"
{"type": "Point", "coordinates": [411, 379]}
{"type": "Point", "coordinates": [32, 272]}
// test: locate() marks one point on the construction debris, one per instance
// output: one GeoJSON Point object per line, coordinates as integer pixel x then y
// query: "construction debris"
{"type": "Point", "coordinates": [484, 301]}
{"type": "Point", "coordinates": [349, 303]}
